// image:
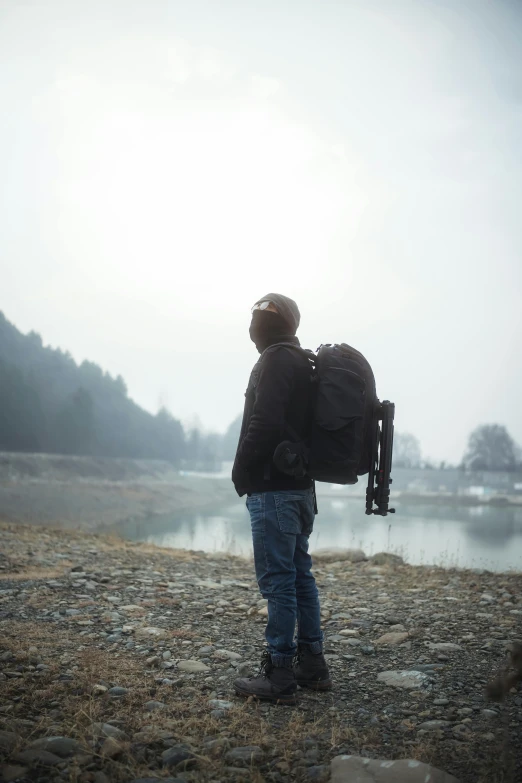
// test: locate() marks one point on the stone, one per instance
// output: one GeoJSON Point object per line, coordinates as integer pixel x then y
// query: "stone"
{"type": "Point", "coordinates": [12, 772]}
{"type": "Point", "coordinates": [392, 638]}
{"type": "Point", "coordinates": [386, 558]}
{"type": "Point", "coordinates": [227, 655]}
{"type": "Point", "coordinates": [150, 632]}
{"type": "Point", "coordinates": [220, 704]}
{"type": "Point", "coordinates": [433, 725]}
{"type": "Point", "coordinates": [319, 773]}
{"type": "Point", "coordinates": [335, 554]}
{"type": "Point", "coordinates": [37, 758]}
{"type": "Point", "coordinates": [7, 741]}
{"type": "Point", "coordinates": [362, 770]}
{"type": "Point", "coordinates": [117, 692]}
{"type": "Point", "coordinates": [192, 666]}
{"type": "Point", "coordinates": [215, 746]}
{"type": "Point", "coordinates": [153, 706]}
{"type": "Point", "coordinates": [208, 583]}
{"type": "Point", "coordinates": [108, 730]}
{"type": "Point", "coordinates": [176, 755]}
{"type": "Point", "coordinates": [462, 732]}
{"type": "Point", "coordinates": [444, 646]}
{"type": "Point", "coordinates": [408, 679]}
{"type": "Point", "coordinates": [111, 748]}
{"type": "Point", "coordinates": [99, 690]}
{"type": "Point", "coordinates": [60, 746]}
{"type": "Point", "coordinates": [245, 756]}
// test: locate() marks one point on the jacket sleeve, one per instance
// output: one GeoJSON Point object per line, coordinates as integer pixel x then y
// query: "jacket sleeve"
{"type": "Point", "coordinates": [267, 423]}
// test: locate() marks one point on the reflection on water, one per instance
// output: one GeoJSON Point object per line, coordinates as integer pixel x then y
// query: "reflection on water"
{"type": "Point", "coordinates": [468, 537]}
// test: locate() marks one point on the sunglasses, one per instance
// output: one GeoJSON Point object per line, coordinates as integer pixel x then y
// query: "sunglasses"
{"type": "Point", "coordinates": [261, 305]}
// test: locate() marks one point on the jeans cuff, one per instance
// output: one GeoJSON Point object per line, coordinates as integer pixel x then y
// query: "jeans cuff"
{"type": "Point", "coordinates": [314, 647]}
{"type": "Point", "coordinates": [282, 661]}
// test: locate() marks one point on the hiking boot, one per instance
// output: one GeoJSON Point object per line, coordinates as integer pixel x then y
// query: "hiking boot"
{"type": "Point", "coordinates": [311, 670]}
{"type": "Point", "coordinates": [273, 683]}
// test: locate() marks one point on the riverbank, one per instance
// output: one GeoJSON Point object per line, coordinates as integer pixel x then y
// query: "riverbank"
{"type": "Point", "coordinates": [105, 494]}
{"type": "Point", "coordinates": [99, 494]}
{"type": "Point", "coordinates": [127, 652]}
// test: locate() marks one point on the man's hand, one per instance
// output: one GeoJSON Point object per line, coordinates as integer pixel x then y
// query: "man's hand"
{"type": "Point", "coordinates": [240, 479]}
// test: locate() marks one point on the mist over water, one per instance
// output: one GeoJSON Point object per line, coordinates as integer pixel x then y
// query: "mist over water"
{"type": "Point", "coordinates": [464, 537]}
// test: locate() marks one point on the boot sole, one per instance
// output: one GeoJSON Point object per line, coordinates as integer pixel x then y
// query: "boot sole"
{"type": "Point", "coordinates": [324, 685]}
{"type": "Point", "coordinates": [288, 699]}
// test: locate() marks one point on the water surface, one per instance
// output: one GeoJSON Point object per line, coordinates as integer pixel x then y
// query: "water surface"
{"type": "Point", "coordinates": [462, 536]}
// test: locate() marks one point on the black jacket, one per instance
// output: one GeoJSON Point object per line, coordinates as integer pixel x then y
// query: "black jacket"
{"type": "Point", "coordinates": [279, 393]}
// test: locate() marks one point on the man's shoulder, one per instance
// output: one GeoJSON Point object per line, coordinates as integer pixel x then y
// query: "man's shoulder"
{"type": "Point", "coordinates": [284, 360]}
{"type": "Point", "coordinates": [284, 351]}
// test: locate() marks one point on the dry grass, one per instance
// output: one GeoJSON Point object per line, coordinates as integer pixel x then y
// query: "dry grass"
{"type": "Point", "coordinates": [70, 708]}
{"type": "Point", "coordinates": [36, 573]}
{"type": "Point", "coordinates": [103, 541]}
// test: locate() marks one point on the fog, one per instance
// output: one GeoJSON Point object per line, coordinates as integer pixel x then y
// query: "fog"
{"type": "Point", "coordinates": [164, 164]}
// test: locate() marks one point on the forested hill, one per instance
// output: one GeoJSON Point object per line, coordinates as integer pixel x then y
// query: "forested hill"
{"type": "Point", "coordinates": [49, 403]}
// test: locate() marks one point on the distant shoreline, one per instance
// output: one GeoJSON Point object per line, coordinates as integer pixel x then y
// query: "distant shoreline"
{"type": "Point", "coordinates": [100, 494]}
{"type": "Point", "coordinates": [435, 498]}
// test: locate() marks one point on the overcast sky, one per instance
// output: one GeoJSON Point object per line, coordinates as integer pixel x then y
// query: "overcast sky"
{"type": "Point", "coordinates": [163, 164]}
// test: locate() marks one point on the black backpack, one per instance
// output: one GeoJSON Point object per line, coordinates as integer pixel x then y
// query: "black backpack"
{"type": "Point", "coordinates": [339, 445]}
{"type": "Point", "coordinates": [351, 431]}
{"type": "Point", "coordinates": [341, 436]}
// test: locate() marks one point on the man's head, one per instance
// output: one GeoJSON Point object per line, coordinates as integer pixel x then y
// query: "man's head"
{"type": "Point", "coordinates": [274, 318]}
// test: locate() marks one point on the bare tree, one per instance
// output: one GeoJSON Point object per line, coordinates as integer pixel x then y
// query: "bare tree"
{"type": "Point", "coordinates": [406, 450]}
{"type": "Point", "coordinates": [490, 447]}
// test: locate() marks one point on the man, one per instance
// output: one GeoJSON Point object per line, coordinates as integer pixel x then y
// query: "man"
{"type": "Point", "coordinates": [282, 507]}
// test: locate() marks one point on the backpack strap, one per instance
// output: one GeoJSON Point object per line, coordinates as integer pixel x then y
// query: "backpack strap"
{"type": "Point", "coordinates": [304, 352]}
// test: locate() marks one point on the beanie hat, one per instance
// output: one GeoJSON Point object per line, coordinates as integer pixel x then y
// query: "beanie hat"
{"type": "Point", "coordinates": [287, 309]}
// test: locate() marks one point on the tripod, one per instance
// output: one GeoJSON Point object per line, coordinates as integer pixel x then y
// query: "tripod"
{"type": "Point", "coordinates": [379, 478]}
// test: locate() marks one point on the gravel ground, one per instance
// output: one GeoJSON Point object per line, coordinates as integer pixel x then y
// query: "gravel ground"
{"type": "Point", "coordinates": [117, 663]}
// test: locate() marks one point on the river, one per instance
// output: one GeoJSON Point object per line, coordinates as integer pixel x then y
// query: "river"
{"type": "Point", "coordinates": [449, 536]}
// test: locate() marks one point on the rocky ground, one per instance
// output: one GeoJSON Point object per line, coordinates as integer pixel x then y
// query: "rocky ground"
{"type": "Point", "coordinates": [118, 659]}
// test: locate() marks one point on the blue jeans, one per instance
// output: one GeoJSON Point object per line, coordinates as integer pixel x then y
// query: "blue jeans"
{"type": "Point", "coordinates": [281, 524]}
